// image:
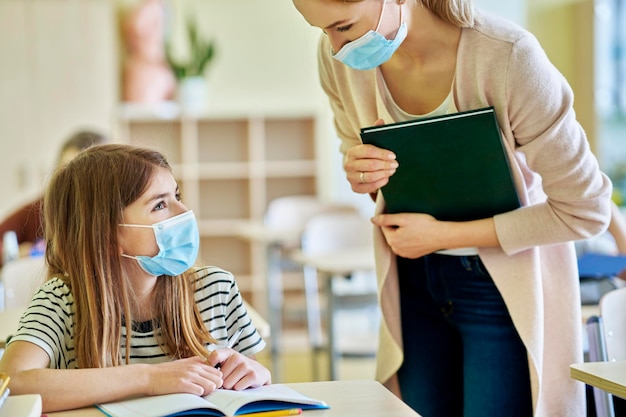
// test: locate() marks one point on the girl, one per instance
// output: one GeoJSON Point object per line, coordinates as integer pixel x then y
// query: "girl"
{"type": "Point", "coordinates": [120, 252]}
{"type": "Point", "coordinates": [481, 318]}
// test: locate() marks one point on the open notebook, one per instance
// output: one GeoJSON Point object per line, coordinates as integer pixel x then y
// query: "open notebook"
{"type": "Point", "coordinates": [219, 403]}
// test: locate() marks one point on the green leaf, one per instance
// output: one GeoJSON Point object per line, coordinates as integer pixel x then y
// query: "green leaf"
{"type": "Point", "coordinates": [202, 53]}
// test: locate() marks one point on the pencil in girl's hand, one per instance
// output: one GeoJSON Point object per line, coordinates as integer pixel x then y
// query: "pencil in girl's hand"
{"type": "Point", "coordinates": [234, 338]}
{"type": "Point", "coordinates": [231, 342]}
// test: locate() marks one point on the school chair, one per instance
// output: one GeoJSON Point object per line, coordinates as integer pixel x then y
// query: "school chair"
{"type": "Point", "coordinates": [337, 249]}
{"type": "Point", "coordinates": [284, 222]}
{"type": "Point", "coordinates": [607, 342]}
{"type": "Point", "coordinates": [20, 278]}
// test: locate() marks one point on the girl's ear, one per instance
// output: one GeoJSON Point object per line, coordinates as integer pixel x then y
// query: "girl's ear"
{"type": "Point", "coordinates": [120, 243]}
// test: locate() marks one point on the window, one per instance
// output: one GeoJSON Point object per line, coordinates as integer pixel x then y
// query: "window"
{"type": "Point", "coordinates": [610, 90]}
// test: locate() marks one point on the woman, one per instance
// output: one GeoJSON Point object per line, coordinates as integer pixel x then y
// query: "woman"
{"type": "Point", "coordinates": [480, 316]}
{"type": "Point", "coordinates": [120, 248]}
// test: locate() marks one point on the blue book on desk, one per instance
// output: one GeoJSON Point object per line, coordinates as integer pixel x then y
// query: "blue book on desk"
{"type": "Point", "coordinates": [594, 265]}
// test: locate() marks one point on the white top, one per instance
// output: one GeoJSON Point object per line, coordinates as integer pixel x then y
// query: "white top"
{"type": "Point", "coordinates": [49, 321]}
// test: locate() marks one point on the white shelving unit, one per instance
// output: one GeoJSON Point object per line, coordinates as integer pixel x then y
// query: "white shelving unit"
{"type": "Point", "coordinates": [229, 166]}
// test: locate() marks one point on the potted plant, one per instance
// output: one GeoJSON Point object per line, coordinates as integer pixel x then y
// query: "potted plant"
{"type": "Point", "coordinates": [190, 73]}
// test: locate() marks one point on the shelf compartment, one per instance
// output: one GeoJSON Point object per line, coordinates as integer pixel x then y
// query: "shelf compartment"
{"type": "Point", "coordinates": [224, 199]}
{"type": "Point", "coordinates": [164, 136]}
{"type": "Point", "coordinates": [229, 253]}
{"type": "Point", "coordinates": [229, 166]}
{"type": "Point", "coordinates": [289, 139]}
{"type": "Point", "coordinates": [281, 187]}
{"type": "Point", "coordinates": [222, 141]}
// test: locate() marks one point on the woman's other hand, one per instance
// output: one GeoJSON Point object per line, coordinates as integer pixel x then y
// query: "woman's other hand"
{"type": "Point", "coordinates": [410, 235]}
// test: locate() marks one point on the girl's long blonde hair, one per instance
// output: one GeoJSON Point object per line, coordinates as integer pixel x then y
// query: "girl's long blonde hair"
{"type": "Point", "coordinates": [82, 209]}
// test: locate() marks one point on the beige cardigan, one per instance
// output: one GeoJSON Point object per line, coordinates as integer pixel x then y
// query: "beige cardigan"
{"type": "Point", "coordinates": [565, 198]}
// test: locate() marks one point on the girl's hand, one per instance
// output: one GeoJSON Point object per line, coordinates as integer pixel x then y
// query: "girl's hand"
{"type": "Point", "coordinates": [411, 235]}
{"type": "Point", "coordinates": [368, 167]}
{"type": "Point", "coordinates": [191, 375]}
{"type": "Point", "coordinates": [239, 371]}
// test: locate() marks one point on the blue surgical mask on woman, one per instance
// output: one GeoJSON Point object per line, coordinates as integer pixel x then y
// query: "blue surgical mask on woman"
{"type": "Point", "coordinates": [178, 240]}
{"type": "Point", "coordinates": [372, 49]}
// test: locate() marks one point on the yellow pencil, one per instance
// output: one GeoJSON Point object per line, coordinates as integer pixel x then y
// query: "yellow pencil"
{"type": "Point", "coordinates": [277, 413]}
{"type": "Point", "coordinates": [4, 382]}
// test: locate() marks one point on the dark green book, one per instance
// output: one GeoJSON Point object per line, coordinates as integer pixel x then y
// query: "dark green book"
{"type": "Point", "coordinates": [452, 167]}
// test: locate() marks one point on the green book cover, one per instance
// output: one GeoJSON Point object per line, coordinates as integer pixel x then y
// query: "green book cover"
{"type": "Point", "coordinates": [452, 167]}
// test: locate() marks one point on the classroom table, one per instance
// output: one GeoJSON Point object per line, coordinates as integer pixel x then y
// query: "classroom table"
{"type": "Point", "coordinates": [346, 399]}
{"type": "Point", "coordinates": [338, 263]}
{"type": "Point", "coordinates": [608, 376]}
{"type": "Point", "coordinates": [22, 406]}
{"type": "Point", "coordinates": [273, 240]}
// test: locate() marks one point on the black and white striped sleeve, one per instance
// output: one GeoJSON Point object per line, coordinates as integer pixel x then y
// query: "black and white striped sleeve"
{"type": "Point", "coordinates": [48, 322]}
{"type": "Point", "coordinates": [223, 311]}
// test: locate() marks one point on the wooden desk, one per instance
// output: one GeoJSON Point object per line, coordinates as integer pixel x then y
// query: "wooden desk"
{"type": "Point", "coordinates": [608, 376]}
{"type": "Point", "coordinates": [22, 406]}
{"type": "Point", "coordinates": [9, 321]}
{"type": "Point", "coordinates": [345, 398]}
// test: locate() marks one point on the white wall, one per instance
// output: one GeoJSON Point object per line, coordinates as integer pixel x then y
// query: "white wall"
{"type": "Point", "coordinates": [58, 72]}
{"type": "Point", "coordinates": [265, 53]}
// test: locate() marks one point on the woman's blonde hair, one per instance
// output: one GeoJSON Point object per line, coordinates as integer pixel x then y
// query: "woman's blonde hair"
{"type": "Point", "coordinates": [82, 209]}
{"type": "Point", "coordinates": [457, 12]}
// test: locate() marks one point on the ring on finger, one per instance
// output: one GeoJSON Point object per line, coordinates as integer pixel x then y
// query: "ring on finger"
{"type": "Point", "coordinates": [362, 177]}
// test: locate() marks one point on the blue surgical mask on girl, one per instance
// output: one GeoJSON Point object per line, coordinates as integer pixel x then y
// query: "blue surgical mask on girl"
{"type": "Point", "coordinates": [372, 49]}
{"type": "Point", "coordinates": [178, 240]}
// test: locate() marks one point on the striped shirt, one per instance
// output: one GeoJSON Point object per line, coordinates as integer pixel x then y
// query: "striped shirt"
{"type": "Point", "coordinates": [49, 321]}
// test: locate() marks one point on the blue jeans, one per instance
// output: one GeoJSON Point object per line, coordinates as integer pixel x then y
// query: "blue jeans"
{"type": "Point", "coordinates": [463, 356]}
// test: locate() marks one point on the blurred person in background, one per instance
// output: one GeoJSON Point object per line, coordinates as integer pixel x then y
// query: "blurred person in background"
{"type": "Point", "coordinates": [26, 220]}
